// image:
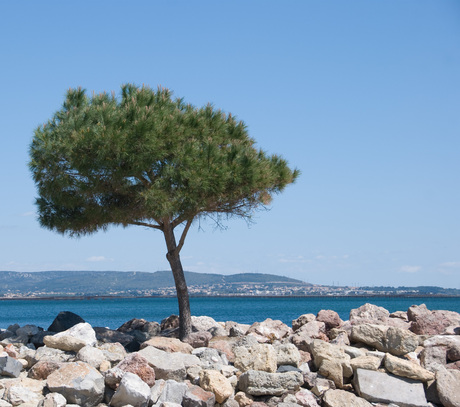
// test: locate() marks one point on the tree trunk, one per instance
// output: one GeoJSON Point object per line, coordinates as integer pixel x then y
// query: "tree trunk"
{"type": "Point", "coordinates": [185, 319]}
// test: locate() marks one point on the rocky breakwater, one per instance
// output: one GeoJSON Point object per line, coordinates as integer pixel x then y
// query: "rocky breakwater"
{"type": "Point", "coordinates": [407, 359]}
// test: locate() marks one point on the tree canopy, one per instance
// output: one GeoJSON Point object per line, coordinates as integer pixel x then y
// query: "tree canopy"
{"type": "Point", "coordinates": [145, 158]}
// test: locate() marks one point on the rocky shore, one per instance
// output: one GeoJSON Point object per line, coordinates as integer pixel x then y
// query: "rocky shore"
{"type": "Point", "coordinates": [407, 358]}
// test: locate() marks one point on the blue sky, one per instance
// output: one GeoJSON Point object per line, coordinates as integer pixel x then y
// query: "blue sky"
{"type": "Point", "coordinates": [362, 96]}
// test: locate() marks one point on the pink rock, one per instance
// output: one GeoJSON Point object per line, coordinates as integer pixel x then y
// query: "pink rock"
{"type": "Point", "coordinates": [439, 322]}
{"type": "Point", "coordinates": [330, 318]}
{"type": "Point", "coordinates": [199, 339]}
{"type": "Point", "coordinates": [198, 397]}
{"type": "Point", "coordinates": [269, 330]}
{"type": "Point", "coordinates": [11, 351]}
{"type": "Point", "coordinates": [42, 369]}
{"type": "Point", "coordinates": [225, 345]}
{"type": "Point", "coordinates": [306, 398]}
{"type": "Point", "coordinates": [137, 364]}
{"type": "Point", "coordinates": [370, 314]}
{"type": "Point", "coordinates": [304, 336]}
{"type": "Point", "coordinates": [302, 320]}
{"type": "Point", "coordinates": [454, 365]}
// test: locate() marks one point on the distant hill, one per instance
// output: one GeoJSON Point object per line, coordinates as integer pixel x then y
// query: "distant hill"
{"type": "Point", "coordinates": [118, 283]}
{"type": "Point", "coordinates": [161, 283]}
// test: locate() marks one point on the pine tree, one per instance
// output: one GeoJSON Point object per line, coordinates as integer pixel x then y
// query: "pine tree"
{"type": "Point", "coordinates": [147, 159]}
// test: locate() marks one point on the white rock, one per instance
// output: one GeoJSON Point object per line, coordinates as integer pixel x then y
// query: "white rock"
{"type": "Point", "coordinates": [132, 390]}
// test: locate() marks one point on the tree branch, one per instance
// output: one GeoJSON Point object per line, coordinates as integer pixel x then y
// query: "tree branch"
{"type": "Point", "coordinates": [148, 225]}
{"type": "Point", "coordinates": [184, 234]}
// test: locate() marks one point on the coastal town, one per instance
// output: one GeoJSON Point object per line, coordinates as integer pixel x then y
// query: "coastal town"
{"type": "Point", "coordinates": [222, 288]}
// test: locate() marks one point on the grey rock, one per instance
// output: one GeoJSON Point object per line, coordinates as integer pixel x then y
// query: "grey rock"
{"type": "Point", "coordinates": [86, 391]}
{"type": "Point", "coordinates": [374, 387]}
{"type": "Point", "coordinates": [169, 365]}
{"type": "Point", "coordinates": [50, 354]}
{"type": "Point", "coordinates": [18, 395]}
{"type": "Point", "coordinates": [204, 323]}
{"type": "Point", "coordinates": [91, 355]}
{"type": "Point", "coordinates": [132, 390]}
{"type": "Point", "coordinates": [448, 385]}
{"type": "Point", "coordinates": [195, 396]}
{"type": "Point", "coordinates": [209, 357]}
{"type": "Point", "coordinates": [106, 335]}
{"type": "Point", "coordinates": [287, 368]}
{"type": "Point", "coordinates": [173, 392]}
{"type": "Point", "coordinates": [258, 383]}
{"type": "Point", "coordinates": [287, 354]}
{"type": "Point", "coordinates": [10, 367]}
{"type": "Point", "coordinates": [255, 357]}
{"type": "Point", "coordinates": [433, 357]}
{"type": "Point", "coordinates": [53, 400]}
{"type": "Point", "coordinates": [396, 341]}
{"type": "Point", "coordinates": [28, 330]}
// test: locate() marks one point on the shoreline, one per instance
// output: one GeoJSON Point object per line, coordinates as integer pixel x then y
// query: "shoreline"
{"type": "Point", "coordinates": [109, 297]}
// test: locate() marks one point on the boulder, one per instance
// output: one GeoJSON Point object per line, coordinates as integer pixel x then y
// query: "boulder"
{"type": "Point", "coordinates": [256, 357]}
{"type": "Point", "coordinates": [133, 363]}
{"type": "Point", "coordinates": [195, 396]}
{"type": "Point", "coordinates": [433, 357]}
{"type": "Point", "coordinates": [168, 365]}
{"type": "Point", "coordinates": [332, 361]}
{"type": "Point", "coordinates": [269, 330]}
{"type": "Point", "coordinates": [131, 391]}
{"type": "Point", "coordinates": [374, 387]}
{"type": "Point", "coordinates": [64, 321]}
{"type": "Point", "coordinates": [50, 354]}
{"type": "Point", "coordinates": [91, 355]}
{"type": "Point", "coordinates": [330, 318]}
{"type": "Point", "coordinates": [53, 400]}
{"type": "Point", "coordinates": [171, 392]}
{"type": "Point", "coordinates": [448, 385]}
{"type": "Point", "coordinates": [135, 324]}
{"type": "Point", "coordinates": [198, 339]}
{"type": "Point", "coordinates": [426, 322]}
{"type": "Point", "coordinates": [113, 352]}
{"type": "Point", "coordinates": [64, 343]}
{"type": "Point", "coordinates": [169, 345]}
{"type": "Point", "coordinates": [210, 358]}
{"type": "Point", "coordinates": [42, 369]}
{"type": "Point", "coordinates": [365, 362]}
{"type": "Point", "coordinates": [258, 383]}
{"type": "Point", "coordinates": [302, 320]}
{"type": "Point", "coordinates": [341, 398]}
{"type": "Point", "coordinates": [406, 368]}
{"type": "Point", "coordinates": [369, 314]}
{"type": "Point", "coordinates": [394, 340]}
{"type": "Point", "coordinates": [287, 354]}
{"type": "Point", "coordinates": [224, 344]}
{"type": "Point", "coordinates": [73, 339]}
{"type": "Point", "coordinates": [170, 323]}
{"type": "Point", "coordinates": [18, 395]}
{"type": "Point", "coordinates": [307, 333]}
{"type": "Point", "coordinates": [306, 398]}
{"type": "Point", "coordinates": [106, 335]}
{"type": "Point", "coordinates": [204, 323]}
{"type": "Point", "coordinates": [9, 366]}
{"type": "Point", "coordinates": [87, 391]}
{"type": "Point", "coordinates": [217, 383]}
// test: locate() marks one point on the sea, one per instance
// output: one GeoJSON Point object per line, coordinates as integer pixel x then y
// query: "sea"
{"type": "Point", "coordinates": [113, 312]}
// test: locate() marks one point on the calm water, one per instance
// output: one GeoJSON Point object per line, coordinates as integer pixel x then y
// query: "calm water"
{"type": "Point", "coordinates": [114, 312]}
